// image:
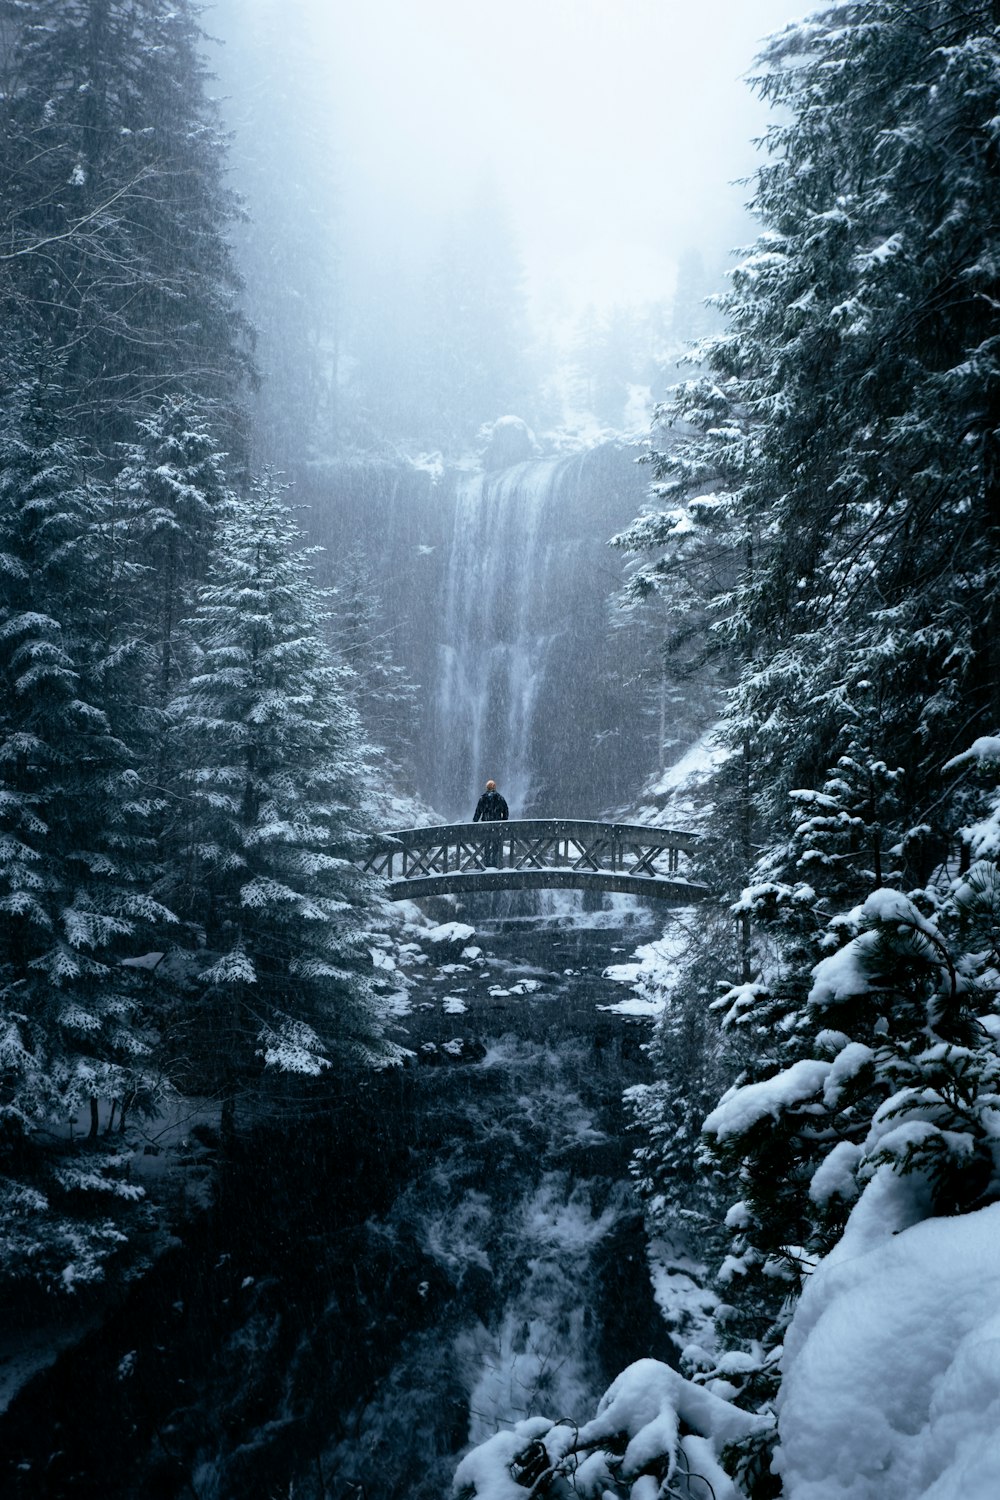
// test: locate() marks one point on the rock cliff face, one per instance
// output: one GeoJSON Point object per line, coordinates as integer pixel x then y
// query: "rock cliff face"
{"type": "Point", "coordinates": [496, 585]}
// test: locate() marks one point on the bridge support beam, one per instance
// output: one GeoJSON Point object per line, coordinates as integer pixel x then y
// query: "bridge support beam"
{"type": "Point", "coordinates": [647, 888]}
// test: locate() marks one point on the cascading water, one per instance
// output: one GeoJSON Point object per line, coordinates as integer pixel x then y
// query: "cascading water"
{"type": "Point", "coordinates": [497, 633]}
{"type": "Point", "coordinates": [495, 588]}
{"type": "Point", "coordinates": [527, 687]}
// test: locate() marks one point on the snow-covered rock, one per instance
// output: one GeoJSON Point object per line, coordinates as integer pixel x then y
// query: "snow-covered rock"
{"type": "Point", "coordinates": [450, 932]}
{"type": "Point", "coordinates": [678, 797]}
{"type": "Point", "coordinates": [509, 440]}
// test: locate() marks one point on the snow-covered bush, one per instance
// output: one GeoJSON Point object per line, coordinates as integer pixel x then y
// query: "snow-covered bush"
{"type": "Point", "coordinates": [891, 1368]}
{"type": "Point", "coordinates": [654, 1433]}
{"type": "Point", "coordinates": [268, 817]}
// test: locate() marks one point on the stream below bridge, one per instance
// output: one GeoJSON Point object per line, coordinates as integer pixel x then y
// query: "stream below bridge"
{"type": "Point", "coordinates": [449, 1250]}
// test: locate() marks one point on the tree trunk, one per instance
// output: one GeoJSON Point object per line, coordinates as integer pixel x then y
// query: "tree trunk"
{"type": "Point", "coordinates": [167, 644]}
{"type": "Point", "coordinates": [227, 1122]}
{"type": "Point", "coordinates": [746, 831]}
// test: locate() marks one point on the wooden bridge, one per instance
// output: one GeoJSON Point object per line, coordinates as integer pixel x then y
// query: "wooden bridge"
{"type": "Point", "coordinates": [535, 854]}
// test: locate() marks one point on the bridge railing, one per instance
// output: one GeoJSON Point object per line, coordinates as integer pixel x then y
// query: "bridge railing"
{"type": "Point", "coordinates": [530, 844]}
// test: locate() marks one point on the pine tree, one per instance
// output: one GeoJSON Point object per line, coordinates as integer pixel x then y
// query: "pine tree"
{"type": "Point", "coordinates": [269, 789]}
{"type": "Point", "coordinates": [115, 210]}
{"type": "Point", "coordinates": [117, 303]}
{"type": "Point", "coordinates": [168, 492]}
{"type": "Point", "coordinates": [860, 368]}
{"type": "Point", "coordinates": [153, 529]}
{"type": "Point", "coordinates": [703, 548]}
{"type": "Point", "coordinates": [74, 1021]}
{"type": "Point", "coordinates": [690, 1065]}
{"type": "Point", "coordinates": [380, 691]}
{"type": "Point", "coordinates": [862, 331]}
{"type": "Point", "coordinates": [698, 547]}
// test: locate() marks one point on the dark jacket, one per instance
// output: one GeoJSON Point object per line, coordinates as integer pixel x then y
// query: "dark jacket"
{"type": "Point", "coordinates": [491, 808]}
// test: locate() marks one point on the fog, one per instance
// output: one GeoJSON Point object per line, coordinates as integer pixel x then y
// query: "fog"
{"type": "Point", "coordinates": [617, 129]}
{"type": "Point", "coordinates": [458, 212]}
{"type": "Point", "coordinates": [478, 237]}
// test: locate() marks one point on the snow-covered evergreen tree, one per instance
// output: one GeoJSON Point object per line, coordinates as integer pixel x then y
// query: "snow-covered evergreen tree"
{"type": "Point", "coordinates": [690, 1069]}
{"type": "Point", "coordinates": [387, 702]}
{"type": "Point", "coordinates": [268, 794]}
{"type": "Point", "coordinates": [159, 531]}
{"type": "Point", "coordinates": [74, 1022]}
{"type": "Point", "coordinates": [115, 210]}
{"type": "Point", "coordinates": [850, 412]}
{"type": "Point", "coordinates": [688, 550]}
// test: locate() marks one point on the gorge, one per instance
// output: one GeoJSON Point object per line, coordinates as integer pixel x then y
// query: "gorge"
{"type": "Point", "coordinates": [397, 1270]}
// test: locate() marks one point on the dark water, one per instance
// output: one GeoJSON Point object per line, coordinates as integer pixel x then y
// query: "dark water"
{"type": "Point", "coordinates": [446, 1248]}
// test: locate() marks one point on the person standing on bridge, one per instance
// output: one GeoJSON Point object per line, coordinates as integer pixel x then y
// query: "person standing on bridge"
{"type": "Point", "coordinates": [491, 808]}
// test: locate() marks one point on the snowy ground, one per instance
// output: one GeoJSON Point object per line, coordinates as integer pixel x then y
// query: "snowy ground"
{"type": "Point", "coordinates": [679, 797]}
{"type": "Point", "coordinates": [891, 1385]}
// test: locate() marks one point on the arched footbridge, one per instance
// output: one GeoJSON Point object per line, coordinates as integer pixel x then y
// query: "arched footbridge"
{"type": "Point", "coordinates": [536, 854]}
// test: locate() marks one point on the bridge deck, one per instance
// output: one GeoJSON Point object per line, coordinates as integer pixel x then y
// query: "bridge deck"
{"type": "Point", "coordinates": [537, 853]}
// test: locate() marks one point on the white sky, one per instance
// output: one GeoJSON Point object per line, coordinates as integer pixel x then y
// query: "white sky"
{"type": "Point", "coordinates": [616, 127]}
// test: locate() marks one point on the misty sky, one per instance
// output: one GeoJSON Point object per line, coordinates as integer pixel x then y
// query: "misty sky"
{"type": "Point", "coordinates": [614, 127]}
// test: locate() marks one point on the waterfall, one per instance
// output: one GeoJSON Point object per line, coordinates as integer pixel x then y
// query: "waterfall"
{"type": "Point", "coordinates": [541, 1355]}
{"type": "Point", "coordinates": [495, 587]}
{"type": "Point", "coordinates": [498, 633]}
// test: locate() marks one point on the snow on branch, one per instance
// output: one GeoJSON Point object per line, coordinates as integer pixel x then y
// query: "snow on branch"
{"type": "Point", "coordinates": [653, 1428]}
{"type": "Point", "coordinates": [743, 1108]}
